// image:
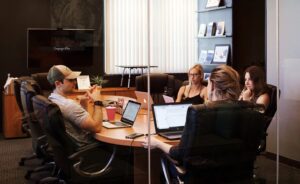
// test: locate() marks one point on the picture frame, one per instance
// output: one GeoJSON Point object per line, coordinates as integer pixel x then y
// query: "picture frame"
{"type": "Point", "coordinates": [212, 3]}
{"type": "Point", "coordinates": [221, 54]}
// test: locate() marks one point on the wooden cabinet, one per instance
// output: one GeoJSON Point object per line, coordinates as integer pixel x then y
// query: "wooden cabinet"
{"type": "Point", "coordinates": [244, 31]}
{"type": "Point", "coordinates": [12, 117]}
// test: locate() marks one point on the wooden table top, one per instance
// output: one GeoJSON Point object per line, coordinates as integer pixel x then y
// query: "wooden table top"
{"type": "Point", "coordinates": [117, 136]}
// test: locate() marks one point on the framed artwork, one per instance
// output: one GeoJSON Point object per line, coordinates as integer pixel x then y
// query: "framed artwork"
{"type": "Point", "coordinates": [212, 3]}
{"type": "Point", "coordinates": [221, 54]}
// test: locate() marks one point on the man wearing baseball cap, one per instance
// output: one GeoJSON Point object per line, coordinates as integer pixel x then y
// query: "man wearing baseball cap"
{"type": "Point", "coordinates": [80, 125]}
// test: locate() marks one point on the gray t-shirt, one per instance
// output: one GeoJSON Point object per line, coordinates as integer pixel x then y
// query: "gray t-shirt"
{"type": "Point", "coordinates": [73, 115]}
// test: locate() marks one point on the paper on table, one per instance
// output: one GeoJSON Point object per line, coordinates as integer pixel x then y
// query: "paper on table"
{"type": "Point", "coordinates": [83, 82]}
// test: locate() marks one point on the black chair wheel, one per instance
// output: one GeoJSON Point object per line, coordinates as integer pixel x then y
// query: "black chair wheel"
{"type": "Point", "coordinates": [28, 175]}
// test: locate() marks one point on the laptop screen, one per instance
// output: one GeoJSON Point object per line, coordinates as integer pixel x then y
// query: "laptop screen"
{"type": "Point", "coordinates": [169, 116]}
{"type": "Point", "coordinates": [131, 111]}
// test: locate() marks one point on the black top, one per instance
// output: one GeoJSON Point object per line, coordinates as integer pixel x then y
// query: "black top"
{"type": "Point", "coordinates": [194, 100]}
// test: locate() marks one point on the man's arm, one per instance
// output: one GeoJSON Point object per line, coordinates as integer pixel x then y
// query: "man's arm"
{"type": "Point", "coordinates": [94, 123]}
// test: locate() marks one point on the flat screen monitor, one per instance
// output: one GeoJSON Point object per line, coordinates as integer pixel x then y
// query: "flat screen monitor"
{"type": "Point", "coordinates": [70, 47]}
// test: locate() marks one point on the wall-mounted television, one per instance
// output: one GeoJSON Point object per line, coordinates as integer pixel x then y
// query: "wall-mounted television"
{"type": "Point", "coordinates": [75, 48]}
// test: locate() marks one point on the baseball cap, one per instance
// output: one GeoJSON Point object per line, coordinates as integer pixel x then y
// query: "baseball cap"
{"type": "Point", "coordinates": [60, 72]}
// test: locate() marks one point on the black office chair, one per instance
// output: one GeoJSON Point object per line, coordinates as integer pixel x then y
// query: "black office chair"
{"type": "Point", "coordinates": [269, 114]}
{"type": "Point", "coordinates": [160, 84]}
{"type": "Point", "coordinates": [218, 145]}
{"type": "Point", "coordinates": [41, 79]}
{"type": "Point", "coordinates": [25, 127]}
{"type": "Point", "coordinates": [29, 89]}
{"type": "Point", "coordinates": [77, 164]}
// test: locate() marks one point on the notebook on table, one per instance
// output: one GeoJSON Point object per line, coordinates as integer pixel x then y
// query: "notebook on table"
{"type": "Point", "coordinates": [128, 117]}
{"type": "Point", "coordinates": [169, 119]}
{"type": "Point", "coordinates": [142, 97]}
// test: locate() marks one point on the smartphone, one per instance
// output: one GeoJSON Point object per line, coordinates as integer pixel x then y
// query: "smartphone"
{"type": "Point", "coordinates": [133, 136]}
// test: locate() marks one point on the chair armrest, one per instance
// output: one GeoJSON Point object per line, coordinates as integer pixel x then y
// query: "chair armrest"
{"type": "Point", "coordinates": [168, 163]}
{"type": "Point", "coordinates": [78, 156]}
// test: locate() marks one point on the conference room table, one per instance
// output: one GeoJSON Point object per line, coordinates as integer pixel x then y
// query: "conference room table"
{"type": "Point", "coordinates": [117, 136]}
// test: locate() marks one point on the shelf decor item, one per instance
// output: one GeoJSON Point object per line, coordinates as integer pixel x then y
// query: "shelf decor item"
{"type": "Point", "coordinates": [206, 76]}
{"type": "Point", "coordinates": [220, 28]}
{"type": "Point", "coordinates": [202, 57]}
{"type": "Point", "coordinates": [213, 3]}
{"type": "Point", "coordinates": [211, 29]}
{"type": "Point", "coordinates": [221, 54]}
{"type": "Point", "coordinates": [209, 57]}
{"type": "Point", "coordinates": [202, 30]}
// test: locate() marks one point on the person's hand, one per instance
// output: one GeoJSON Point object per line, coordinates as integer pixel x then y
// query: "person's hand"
{"type": "Point", "coordinates": [93, 93]}
{"type": "Point", "coordinates": [247, 94]}
{"type": "Point", "coordinates": [154, 143]}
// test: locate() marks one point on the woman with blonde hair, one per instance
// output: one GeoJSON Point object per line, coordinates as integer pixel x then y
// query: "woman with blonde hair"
{"type": "Point", "coordinates": [195, 91]}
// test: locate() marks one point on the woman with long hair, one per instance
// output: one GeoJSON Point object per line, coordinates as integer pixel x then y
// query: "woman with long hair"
{"type": "Point", "coordinates": [256, 88]}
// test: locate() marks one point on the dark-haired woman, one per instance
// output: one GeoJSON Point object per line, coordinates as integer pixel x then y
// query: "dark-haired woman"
{"type": "Point", "coordinates": [256, 89]}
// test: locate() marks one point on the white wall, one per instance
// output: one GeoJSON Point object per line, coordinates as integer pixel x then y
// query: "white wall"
{"type": "Point", "coordinates": [288, 113]}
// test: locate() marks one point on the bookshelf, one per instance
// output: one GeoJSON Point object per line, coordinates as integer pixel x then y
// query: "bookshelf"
{"type": "Point", "coordinates": [244, 31]}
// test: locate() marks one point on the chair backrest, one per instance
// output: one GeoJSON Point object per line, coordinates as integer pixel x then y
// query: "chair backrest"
{"type": "Point", "coordinates": [159, 82]}
{"type": "Point", "coordinates": [222, 137]}
{"type": "Point", "coordinates": [41, 79]}
{"type": "Point", "coordinates": [29, 89]}
{"type": "Point", "coordinates": [272, 108]}
{"type": "Point", "coordinates": [51, 120]}
{"type": "Point", "coordinates": [17, 90]}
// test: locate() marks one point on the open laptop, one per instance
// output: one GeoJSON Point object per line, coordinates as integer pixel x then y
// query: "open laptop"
{"type": "Point", "coordinates": [168, 99]}
{"type": "Point", "coordinates": [142, 97]}
{"type": "Point", "coordinates": [129, 115]}
{"type": "Point", "coordinates": [169, 119]}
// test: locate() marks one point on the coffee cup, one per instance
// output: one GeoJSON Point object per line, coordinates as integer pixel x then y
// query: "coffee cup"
{"type": "Point", "coordinates": [111, 111]}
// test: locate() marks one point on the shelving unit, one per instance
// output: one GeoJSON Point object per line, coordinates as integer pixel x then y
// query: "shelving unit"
{"type": "Point", "coordinates": [244, 31]}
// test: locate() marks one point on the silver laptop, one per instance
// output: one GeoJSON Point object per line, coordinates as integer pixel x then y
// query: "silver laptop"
{"type": "Point", "coordinates": [129, 115]}
{"type": "Point", "coordinates": [169, 119]}
{"type": "Point", "coordinates": [142, 97]}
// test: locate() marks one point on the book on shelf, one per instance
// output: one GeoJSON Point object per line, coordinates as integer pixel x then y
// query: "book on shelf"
{"type": "Point", "coordinates": [202, 30]}
{"type": "Point", "coordinates": [211, 29]}
{"type": "Point", "coordinates": [212, 3]}
{"type": "Point", "coordinates": [220, 30]}
{"type": "Point", "coordinates": [209, 57]}
{"type": "Point", "coordinates": [202, 57]}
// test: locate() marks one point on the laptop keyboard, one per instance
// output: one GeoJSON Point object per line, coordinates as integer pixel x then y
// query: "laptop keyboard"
{"type": "Point", "coordinates": [173, 133]}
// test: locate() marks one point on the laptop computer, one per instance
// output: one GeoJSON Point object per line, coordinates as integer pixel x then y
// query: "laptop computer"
{"type": "Point", "coordinates": [169, 119]}
{"type": "Point", "coordinates": [142, 97]}
{"type": "Point", "coordinates": [168, 99]}
{"type": "Point", "coordinates": [128, 117]}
